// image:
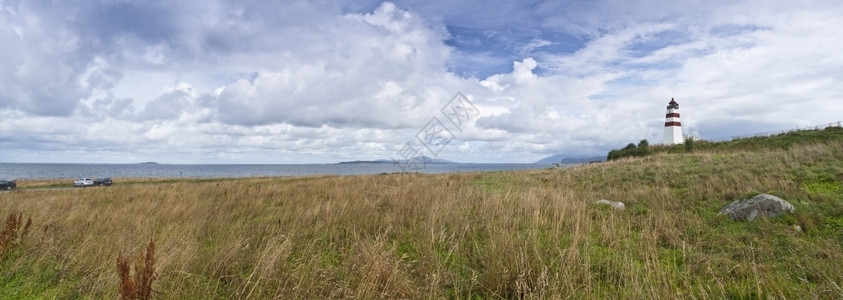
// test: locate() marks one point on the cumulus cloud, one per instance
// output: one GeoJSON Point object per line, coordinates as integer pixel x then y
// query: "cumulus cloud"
{"type": "Point", "coordinates": [380, 74]}
{"type": "Point", "coordinates": [321, 81]}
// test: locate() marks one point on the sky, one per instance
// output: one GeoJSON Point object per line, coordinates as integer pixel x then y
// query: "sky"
{"type": "Point", "coordinates": [286, 82]}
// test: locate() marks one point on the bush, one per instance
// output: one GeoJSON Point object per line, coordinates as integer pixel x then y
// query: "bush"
{"type": "Point", "coordinates": [643, 149]}
{"type": "Point", "coordinates": [689, 144]}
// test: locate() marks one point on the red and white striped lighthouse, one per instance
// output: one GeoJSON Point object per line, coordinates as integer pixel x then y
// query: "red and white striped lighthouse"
{"type": "Point", "coordinates": [672, 125]}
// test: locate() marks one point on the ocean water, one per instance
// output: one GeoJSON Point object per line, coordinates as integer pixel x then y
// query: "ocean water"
{"type": "Point", "coordinates": [45, 171]}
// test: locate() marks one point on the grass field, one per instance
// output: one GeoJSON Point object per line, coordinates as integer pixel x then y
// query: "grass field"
{"type": "Point", "coordinates": [520, 234]}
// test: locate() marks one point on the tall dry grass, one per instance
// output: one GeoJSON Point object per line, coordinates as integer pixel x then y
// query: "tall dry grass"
{"type": "Point", "coordinates": [139, 285]}
{"type": "Point", "coordinates": [13, 233]}
{"type": "Point", "coordinates": [498, 235]}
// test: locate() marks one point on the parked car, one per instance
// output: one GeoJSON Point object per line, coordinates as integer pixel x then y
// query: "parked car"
{"type": "Point", "coordinates": [105, 181]}
{"type": "Point", "coordinates": [83, 182]}
{"type": "Point", "coordinates": [7, 184]}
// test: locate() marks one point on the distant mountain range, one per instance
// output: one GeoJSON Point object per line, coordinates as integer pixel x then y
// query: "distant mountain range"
{"type": "Point", "coordinates": [559, 158]}
{"type": "Point", "coordinates": [420, 159]}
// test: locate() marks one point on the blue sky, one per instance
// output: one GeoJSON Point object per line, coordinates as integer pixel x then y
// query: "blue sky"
{"type": "Point", "coordinates": [327, 81]}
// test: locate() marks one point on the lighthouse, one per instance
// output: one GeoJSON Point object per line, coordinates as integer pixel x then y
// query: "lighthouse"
{"type": "Point", "coordinates": [672, 125]}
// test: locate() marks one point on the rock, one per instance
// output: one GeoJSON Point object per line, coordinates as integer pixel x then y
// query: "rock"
{"type": "Point", "coordinates": [761, 205]}
{"type": "Point", "coordinates": [613, 204]}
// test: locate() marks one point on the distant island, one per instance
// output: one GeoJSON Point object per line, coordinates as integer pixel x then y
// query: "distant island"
{"type": "Point", "coordinates": [559, 158]}
{"type": "Point", "coordinates": [421, 159]}
{"type": "Point", "coordinates": [378, 161]}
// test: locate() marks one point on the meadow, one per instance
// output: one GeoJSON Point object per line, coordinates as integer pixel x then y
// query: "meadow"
{"type": "Point", "coordinates": [491, 235]}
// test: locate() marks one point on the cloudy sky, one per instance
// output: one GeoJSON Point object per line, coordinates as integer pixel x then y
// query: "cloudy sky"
{"type": "Point", "coordinates": [326, 81]}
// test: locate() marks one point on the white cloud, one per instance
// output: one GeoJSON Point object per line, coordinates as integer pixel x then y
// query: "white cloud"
{"type": "Point", "coordinates": [378, 70]}
{"type": "Point", "coordinates": [303, 81]}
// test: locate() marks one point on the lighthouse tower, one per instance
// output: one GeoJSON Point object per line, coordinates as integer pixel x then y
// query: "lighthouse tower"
{"type": "Point", "coordinates": [672, 126]}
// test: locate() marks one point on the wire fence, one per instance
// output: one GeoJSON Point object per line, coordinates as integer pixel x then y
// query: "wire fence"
{"type": "Point", "coordinates": [772, 133]}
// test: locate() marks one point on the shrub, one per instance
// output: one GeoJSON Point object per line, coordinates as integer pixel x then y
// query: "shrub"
{"type": "Point", "coordinates": [630, 150]}
{"type": "Point", "coordinates": [689, 144]}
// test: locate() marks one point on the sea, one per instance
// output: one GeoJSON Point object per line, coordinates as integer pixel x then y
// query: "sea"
{"type": "Point", "coordinates": [12, 171]}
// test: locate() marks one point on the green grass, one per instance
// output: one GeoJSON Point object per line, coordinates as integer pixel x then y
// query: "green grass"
{"type": "Point", "coordinates": [779, 141]}
{"type": "Point", "coordinates": [493, 235]}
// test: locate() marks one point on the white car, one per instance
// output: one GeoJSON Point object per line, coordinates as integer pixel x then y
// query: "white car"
{"type": "Point", "coordinates": [83, 182]}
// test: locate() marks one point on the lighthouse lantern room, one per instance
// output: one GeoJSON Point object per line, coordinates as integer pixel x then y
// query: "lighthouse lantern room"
{"type": "Point", "coordinates": [672, 125]}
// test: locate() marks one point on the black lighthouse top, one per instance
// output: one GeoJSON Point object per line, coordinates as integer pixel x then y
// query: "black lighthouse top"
{"type": "Point", "coordinates": [673, 104]}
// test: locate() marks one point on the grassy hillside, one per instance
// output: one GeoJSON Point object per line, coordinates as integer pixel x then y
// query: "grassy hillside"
{"type": "Point", "coordinates": [522, 234]}
{"type": "Point", "coordinates": [778, 141]}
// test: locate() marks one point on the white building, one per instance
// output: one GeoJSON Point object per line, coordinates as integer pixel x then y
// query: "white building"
{"type": "Point", "coordinates": [672, 125]}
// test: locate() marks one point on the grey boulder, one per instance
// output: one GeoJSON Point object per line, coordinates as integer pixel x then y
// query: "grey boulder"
{"type": "Point", "coordinates": [761, 205]}
{"type": "Point", "coordinates": [613, 204]}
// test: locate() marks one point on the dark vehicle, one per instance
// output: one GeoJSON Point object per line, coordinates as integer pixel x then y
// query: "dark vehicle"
{"type": "Point", "coordinates": [7, 184]}
{"type": "Point", "coordinates": [103, 181]}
